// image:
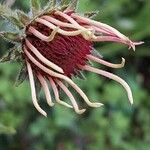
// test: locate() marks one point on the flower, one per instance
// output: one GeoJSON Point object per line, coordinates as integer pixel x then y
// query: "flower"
{"type": "Point", "coordinates": [56, 44]}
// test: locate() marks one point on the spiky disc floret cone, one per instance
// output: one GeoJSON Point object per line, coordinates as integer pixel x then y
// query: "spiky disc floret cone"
{"type": "Point", "coordinates": [56, 43]}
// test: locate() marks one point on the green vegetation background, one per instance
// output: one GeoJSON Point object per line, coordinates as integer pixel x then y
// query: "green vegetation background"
{"type": "Point", "coordinates": [117, 125]}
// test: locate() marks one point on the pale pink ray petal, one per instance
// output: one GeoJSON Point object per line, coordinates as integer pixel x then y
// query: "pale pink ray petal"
{"type": "Point", "coordinates": [133, 44]}
{"type": "Point", "coordinates": [138, 43]}
{"type": "Point", "coordinates": [42, 58]}
{"type": "Point", "coordinates": [112, 31]}
{"type": "Point", "coordinates": [58, 22]}
{"type": "Point", "coordinates": [60, 76]}
{"type": "Point", "coordinates": [101, 25]}
{"type": "Point", "coordinates": [71, 97]}
{"type": "Point", "coordinates": [33, 91]}
{"type": "Point", "coordinates": [46, 89]}
{"type": "Point", "coordinates": [42, 36]}
{"type": "Point", "coordinates": [68, 18]}
{"type": "Point", "coordinates": [63, 32]}
{"type": "Point", "coordinates": [56, 93]}
{"type": "Point", "coordinates": [99, 30]}
{"type": "Point", "coordinates": [116, 39]}
{"type": "Point", "coordinates": [111, 76]}
{"type": "Point", "coordinates": [108, 64]}
{"type": "Point", "coordinates": [110, 39]}
{"type": "Point", "coordinates": [88, 33]}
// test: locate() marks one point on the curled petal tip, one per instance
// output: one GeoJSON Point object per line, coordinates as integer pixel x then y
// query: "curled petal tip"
{"type": "Point", "coordinates": [45, 114]}
{"type": "Point", "coordinates": [97, 104]}
{"type": "Point", "coordinates": [133, 47]}
{"type": "Point", "coordinates": [123, 62]}
{"type": "Point", "coordinates": [64, 103]}
{"type": "Point", "coordinates": [131, 101]}
{"type": "Point", "coordinates": [133, 44]}
{"type": "Point", "coordinates": [69, 106]}
{"type": "Point", "coordinates": [61, 71]}
{"type": "Point", "coordinates": [138, 43]}
{"type": "Point", "coordinates": [100, 104]}
{"type": "Point", "coordinates": [42, 112]}
{"type": "Point", "coordinates": [130, 97]}
{"type": "Point", "coordinates": [81, 111]}
{"type": "Point", "coordinates": [51, 104]}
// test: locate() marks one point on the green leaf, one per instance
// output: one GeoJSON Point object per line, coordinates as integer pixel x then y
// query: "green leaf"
{"type": "Point", "coordinates": [10, 36]}
{"type": "Point", "coordinates": [21, 76]}
{"type": "Point", "coordinates": [35, 7]}
{"type": "Point", "coordinates": [6, 130]}
{"type": "Point", "coordinates": [25, 20]}
{"type": "Point", "coordinates": [12, 54]}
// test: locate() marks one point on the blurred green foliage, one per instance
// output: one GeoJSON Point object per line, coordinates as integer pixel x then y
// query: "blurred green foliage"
{"type": "Point", "coordinates": [116, 126]}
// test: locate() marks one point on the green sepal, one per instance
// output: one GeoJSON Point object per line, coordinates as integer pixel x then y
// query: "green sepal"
{"type": "Point", "coordinates": [35, 7]}
{"type": "Point", "coordinates": [5, 10]}
{"type": "Point", "coordinates": [13, 21]}
{"type": "Point", "coordinates": [23, 73]}
{"type": "Point", "coordinates": [64, 7]}
{"type": "Point", "coordinates": [11, 55]}
{"type": "Point", "coordinates": [10, 16]}
{"type": "Point", "coordinates": [24, 18]}
{"type": "Point", "coordinates": [53, 2]}
{"type": "Point", "coordinates": [73, 5]}
{"type": "Point", "coordinates": [64, 2]}
{"type": "Point", "coordinates": [57, 2]}
{"type": "Point", "coordinates": [91, 14]}
{"type": "Point", "coordinates": [96, 53]}
{"type": "Point", "coordinates": [81, 75]}
{"type": "Point", "coordinates": [49, 6]}
{"type": "Point", "coordinates": [10, 36]}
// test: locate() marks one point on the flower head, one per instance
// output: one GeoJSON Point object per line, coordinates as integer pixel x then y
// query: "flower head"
{"type": "Point", "coordinates": [56, 44]}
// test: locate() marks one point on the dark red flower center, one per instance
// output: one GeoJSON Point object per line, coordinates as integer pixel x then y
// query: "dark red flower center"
{"type": "Point", "coordinates": [65, 51]}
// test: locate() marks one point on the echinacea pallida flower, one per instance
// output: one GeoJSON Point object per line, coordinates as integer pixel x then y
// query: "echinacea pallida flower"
{"type": "Point", "coordinates": [55, 43]}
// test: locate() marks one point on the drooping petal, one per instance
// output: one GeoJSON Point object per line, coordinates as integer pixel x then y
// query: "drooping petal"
{"type": "Point", "coordinates": [113, 34]}
{"type": "Point", "coordinates": [72, 99]}
{"type": "Point", "coordinates": [46, 89]}
{"type": "Point", "coordinates": [33, 92]}
{"type": "Point", "coordinates": [103, 62]}
{"type": "Point", "coordinates": [60, 76]}
{"type": "Point", "coordinates": [56, 93]}
{"type": "Point", "coordinates": [111, 76]}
